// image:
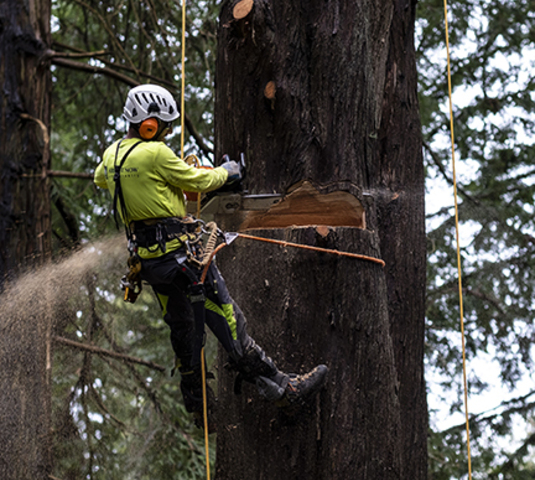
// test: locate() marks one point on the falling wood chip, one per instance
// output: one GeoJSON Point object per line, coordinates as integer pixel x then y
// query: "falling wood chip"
{"type": "Point", "coordinates": [323, 230]}
{"type": "Point", "coordinates": [306, 206]}
{"type": "Point", "coordinates": [242, 9]}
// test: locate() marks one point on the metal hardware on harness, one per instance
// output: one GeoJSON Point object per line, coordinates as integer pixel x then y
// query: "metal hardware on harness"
{"type": "Point", "coordinates": [131, 246]}
{"type": "Point", "coordinates": [202, 257]}
{"type": "Point", "coordinates": [131, 282]}
{"type": "Point", "coordinates": [230, 237]}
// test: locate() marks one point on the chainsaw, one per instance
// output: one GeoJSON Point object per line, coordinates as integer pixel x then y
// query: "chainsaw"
{"type": "Point", "coordinates": [232, 197]}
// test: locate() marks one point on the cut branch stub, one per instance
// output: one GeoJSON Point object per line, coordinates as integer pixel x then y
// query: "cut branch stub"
{"type": "Point", "coordinates": [270, 90]}
{"type": "Point", "coordinates": [242, 9]}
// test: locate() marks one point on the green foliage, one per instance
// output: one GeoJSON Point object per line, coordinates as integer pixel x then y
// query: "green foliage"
{"type": "Point", "coordinates": [492, 48]}
{"type": "Point", "coordinates": [116, 420]}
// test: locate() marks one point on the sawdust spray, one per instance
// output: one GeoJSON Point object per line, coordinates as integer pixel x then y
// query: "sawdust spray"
{"type": "Point", "coordinates": [43, 292]}
{"type": "Point", "coordinates": [32, 307]}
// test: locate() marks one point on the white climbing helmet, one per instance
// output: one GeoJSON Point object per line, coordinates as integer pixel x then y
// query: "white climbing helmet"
{"type": "Point", "coordinates": [147, 101]}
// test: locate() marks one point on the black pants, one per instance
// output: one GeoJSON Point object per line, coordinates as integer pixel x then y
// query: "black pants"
{"type": "Point", "coordinates": [173, 286]}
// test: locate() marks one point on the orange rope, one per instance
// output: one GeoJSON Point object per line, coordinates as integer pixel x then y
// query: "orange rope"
{"type": "Point", "coordinates": [315, 249]}
{"type": "Point", "coordinates": [290, 244]}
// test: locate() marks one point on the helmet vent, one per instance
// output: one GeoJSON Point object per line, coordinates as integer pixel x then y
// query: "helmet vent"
{"type": "Point", "coordinates": [154, 108]}
{"type": "Point", "coordinates": [134, 112]}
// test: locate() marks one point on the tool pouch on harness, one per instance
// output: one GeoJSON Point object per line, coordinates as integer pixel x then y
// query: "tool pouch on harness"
{"type": "Point", "coordinates": [146, 236]}
{"type": "Point", "coordinates": [131, 282]}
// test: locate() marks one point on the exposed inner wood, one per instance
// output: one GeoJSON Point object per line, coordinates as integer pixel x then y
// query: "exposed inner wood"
{"type": "Point", "coordinates": [269, 90]}
{"type": "Point", "coordinates": [242, 9]}
{"type": "Point", "coordinates": [323, 230]}
{"type": "Point", "coordinates": [305, 206]}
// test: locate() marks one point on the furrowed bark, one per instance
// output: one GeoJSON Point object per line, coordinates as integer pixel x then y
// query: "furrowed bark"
{"type": "Point", "coordinates": [308, 308]}
{"type": "Point", "coordinates": [25, 235]}
{"type": "Point", "coordinates": [326, 94]}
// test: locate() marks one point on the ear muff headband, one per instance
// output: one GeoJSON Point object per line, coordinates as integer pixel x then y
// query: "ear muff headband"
{"type": "Point", "coordinates": [149, 128]}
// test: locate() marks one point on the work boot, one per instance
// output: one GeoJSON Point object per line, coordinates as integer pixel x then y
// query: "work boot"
{"type": "Point", "coordinates": [191, 388]}
{"type": "Point", "coordinates": [253, 366]}
{"type": "Point", "coordinates": [301, 388]}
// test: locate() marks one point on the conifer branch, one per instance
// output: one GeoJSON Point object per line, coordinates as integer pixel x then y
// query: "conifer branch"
{"type": "Point", "coordinates": [110, 72]}
{"type": "Point", "coordinates": [448, 179]}
{"type": "Point", "coordinates": [108, 353]}
{"type": "Point", "coordinates": [67, 174]}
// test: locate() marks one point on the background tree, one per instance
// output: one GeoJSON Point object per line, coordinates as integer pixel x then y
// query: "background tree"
{"type": "Point", "coordinates": [24, 232]}
{"type": "Point", "coordinates": [492, 65]}
{"type": "Point", "coordinates": [25, 141]}
{"type": "Point", "coordinates": [327, 94]}
{"type": "Point", "coordinates": [102, 47]}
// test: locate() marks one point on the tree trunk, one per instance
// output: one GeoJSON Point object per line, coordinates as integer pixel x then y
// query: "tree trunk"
{"type": "Point", "coordinates": [24, 141]}
{"type": "Point", "coordinates": [399, 179]}
{"type": "Point", "coordinates": [311, 308]}
{"type": "Point", "coordinates": [321, 97]}
{"type": "Point", "coordinates": [24, 234]}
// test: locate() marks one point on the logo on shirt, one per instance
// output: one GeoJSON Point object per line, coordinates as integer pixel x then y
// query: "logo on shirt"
{"type": "Point", "coordinates": [126, 172]}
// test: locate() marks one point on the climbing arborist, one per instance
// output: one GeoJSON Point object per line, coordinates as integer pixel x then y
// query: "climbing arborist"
{"type": "Point", "coordinates": [147, 181]}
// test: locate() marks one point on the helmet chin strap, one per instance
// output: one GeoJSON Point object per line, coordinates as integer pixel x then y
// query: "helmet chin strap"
{"type": "Point", "coordinates": [165, 130]}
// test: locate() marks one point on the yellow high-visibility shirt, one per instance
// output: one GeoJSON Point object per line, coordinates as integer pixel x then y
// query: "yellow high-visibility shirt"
{"type": "Point", "coordinates": [153, 181]}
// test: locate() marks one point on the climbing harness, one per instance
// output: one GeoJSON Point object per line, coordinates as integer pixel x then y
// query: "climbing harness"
{"type": "Point", "coordinates": [459, 269]}
{"type": "Point", "coordinates": [155, 236]}
{"type": "Point", "coordinates": [131, 282]}
{"type": "Point", "coordinates": [118, 194]}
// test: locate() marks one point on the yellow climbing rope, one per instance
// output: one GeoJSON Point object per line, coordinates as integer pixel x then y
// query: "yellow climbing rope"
{"type": "Point", "coordinates": [459, 270]}
{"type": "Point", "coordinates": [182, 93]}
{"type": "Point", "coordinates": [205, 413]}
{"type": "Point", "coordinates": [182, 137]}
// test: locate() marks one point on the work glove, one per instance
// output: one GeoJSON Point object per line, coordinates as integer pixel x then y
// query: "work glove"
{"type": "Point", "coordinates": [234, 171]}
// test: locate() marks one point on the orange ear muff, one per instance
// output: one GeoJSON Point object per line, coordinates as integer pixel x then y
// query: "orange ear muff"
{"type": "Point", "coordinates": [149, 128]}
